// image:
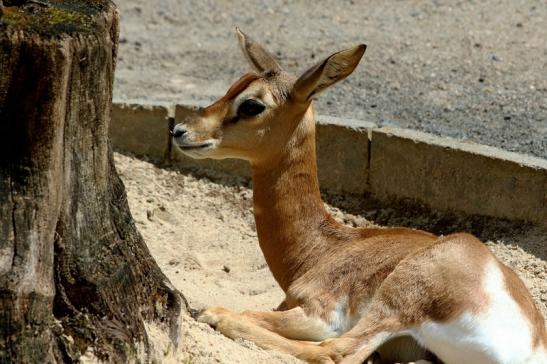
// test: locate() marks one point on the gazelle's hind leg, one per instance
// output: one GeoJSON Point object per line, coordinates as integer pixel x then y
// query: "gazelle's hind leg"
{"type": "Point", "coordinates": [357, 345]}
{"type": "Point", "coordinates": [361, 342]}
{"type": "Point", "coordinates": [382, 323]}
{"type": "Point", "coordinates": [366, 349]}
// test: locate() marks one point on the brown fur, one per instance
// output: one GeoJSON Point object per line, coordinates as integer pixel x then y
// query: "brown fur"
{"type": "Point", "coordinates": [385, 280]}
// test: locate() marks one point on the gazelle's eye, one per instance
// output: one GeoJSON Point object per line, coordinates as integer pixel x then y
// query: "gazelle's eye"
{"type": "Point", "coordinates": [250, 107]}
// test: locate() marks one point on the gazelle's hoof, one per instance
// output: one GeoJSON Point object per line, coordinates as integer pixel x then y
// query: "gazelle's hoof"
{"type": "Point", "coordinates": [212, 316]}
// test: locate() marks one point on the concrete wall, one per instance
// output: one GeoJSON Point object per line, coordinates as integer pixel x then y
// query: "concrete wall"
{"type": "Point", "coordinates": [450, 175]}
{"type": "Point", "coordinates": [343, 154]}
{"type": "Point", "coordinates": [356, 157]}
{"type": "Point", "coordinates": [141, 128]}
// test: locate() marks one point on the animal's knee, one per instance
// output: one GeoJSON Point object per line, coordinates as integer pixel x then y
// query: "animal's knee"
{"type": "Point", "coordinates": [338, 348]}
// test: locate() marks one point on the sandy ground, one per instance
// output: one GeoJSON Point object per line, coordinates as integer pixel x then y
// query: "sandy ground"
{"type": "Point", "coordinates": [200, 229]}
{"type": "Point", "coordinates": [473, 70]}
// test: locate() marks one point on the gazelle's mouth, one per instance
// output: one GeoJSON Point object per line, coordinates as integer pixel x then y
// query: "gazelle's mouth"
{"type": "Point", "coordinates": [195, 146]}
{"type": "Point", "coordinates": [197, 151]}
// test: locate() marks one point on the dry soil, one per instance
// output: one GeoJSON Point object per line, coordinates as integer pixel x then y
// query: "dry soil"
{"type": "Point", "coordinates": [473, 70]}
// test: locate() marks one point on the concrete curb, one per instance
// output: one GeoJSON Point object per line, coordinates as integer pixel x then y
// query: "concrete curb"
{"type": "Point", "coordinates": [450, 175]}
{"type": "Point", "coordinates": [343, 154]}
{"type": "Point", "coordinates": [357, 157]}
{"type": "Point", "coordinates": [141, 128]}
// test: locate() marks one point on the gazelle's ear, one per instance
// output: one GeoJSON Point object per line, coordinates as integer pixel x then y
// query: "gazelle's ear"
{"type": "Point", "coordinates": [257, 55]}
{"type": "Point", "coordinates": [326, 73]}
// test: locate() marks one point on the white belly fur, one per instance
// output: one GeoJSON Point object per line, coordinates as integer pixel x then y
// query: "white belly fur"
{"type": "Point", "coordinates": [500, 335]}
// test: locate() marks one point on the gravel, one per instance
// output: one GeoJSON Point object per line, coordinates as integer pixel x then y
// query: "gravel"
{"type": "Point", "coordinates": [472, 70]}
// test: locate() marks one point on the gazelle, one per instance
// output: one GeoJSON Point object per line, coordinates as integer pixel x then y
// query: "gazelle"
{"type": "Point", "coordinates": [349, 291]}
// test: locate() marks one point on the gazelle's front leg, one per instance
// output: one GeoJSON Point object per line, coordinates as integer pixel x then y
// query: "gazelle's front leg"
{"type": "Point", "coordinates": [277, 330]}
{"type": "Point", "coordinates": [292, 324]}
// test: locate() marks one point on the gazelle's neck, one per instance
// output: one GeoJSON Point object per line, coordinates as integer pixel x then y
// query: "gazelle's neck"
{"type": "Point", "coordinates": [288, 209]}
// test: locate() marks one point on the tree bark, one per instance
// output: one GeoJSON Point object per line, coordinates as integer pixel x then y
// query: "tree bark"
{"type": "Point", "coordinates": [75, 274]}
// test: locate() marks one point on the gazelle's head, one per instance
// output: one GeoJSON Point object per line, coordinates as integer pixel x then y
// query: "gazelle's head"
{"type": "Point", "coordinates": [255, 119]}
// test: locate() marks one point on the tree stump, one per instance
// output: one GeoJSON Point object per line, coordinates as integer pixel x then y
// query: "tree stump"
{"type": "Point", "coordinates": [75, 274]}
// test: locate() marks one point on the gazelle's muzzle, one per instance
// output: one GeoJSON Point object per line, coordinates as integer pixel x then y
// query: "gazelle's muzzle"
{"type": "Point", "coordinates": [179, 131]}
{"type": "Point", "coordinates": [184, 139]}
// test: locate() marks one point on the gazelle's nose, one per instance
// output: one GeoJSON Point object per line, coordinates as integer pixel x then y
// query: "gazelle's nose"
{"type": "Point", "coordinates": [179, 131]}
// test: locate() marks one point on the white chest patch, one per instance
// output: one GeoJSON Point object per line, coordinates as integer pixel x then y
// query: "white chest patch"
{"type": "Point", "coordinates": [340, 319]}
{"type": "Point", "coordinates": [500, 335]}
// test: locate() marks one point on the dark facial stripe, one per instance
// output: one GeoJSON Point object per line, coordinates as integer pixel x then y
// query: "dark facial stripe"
{"type": "Point", "coordinates": [239, 86]}
{"type": "Point", "coordinates": [235, 90]}
{"type": "Point", "coordinates": [231, 120]}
